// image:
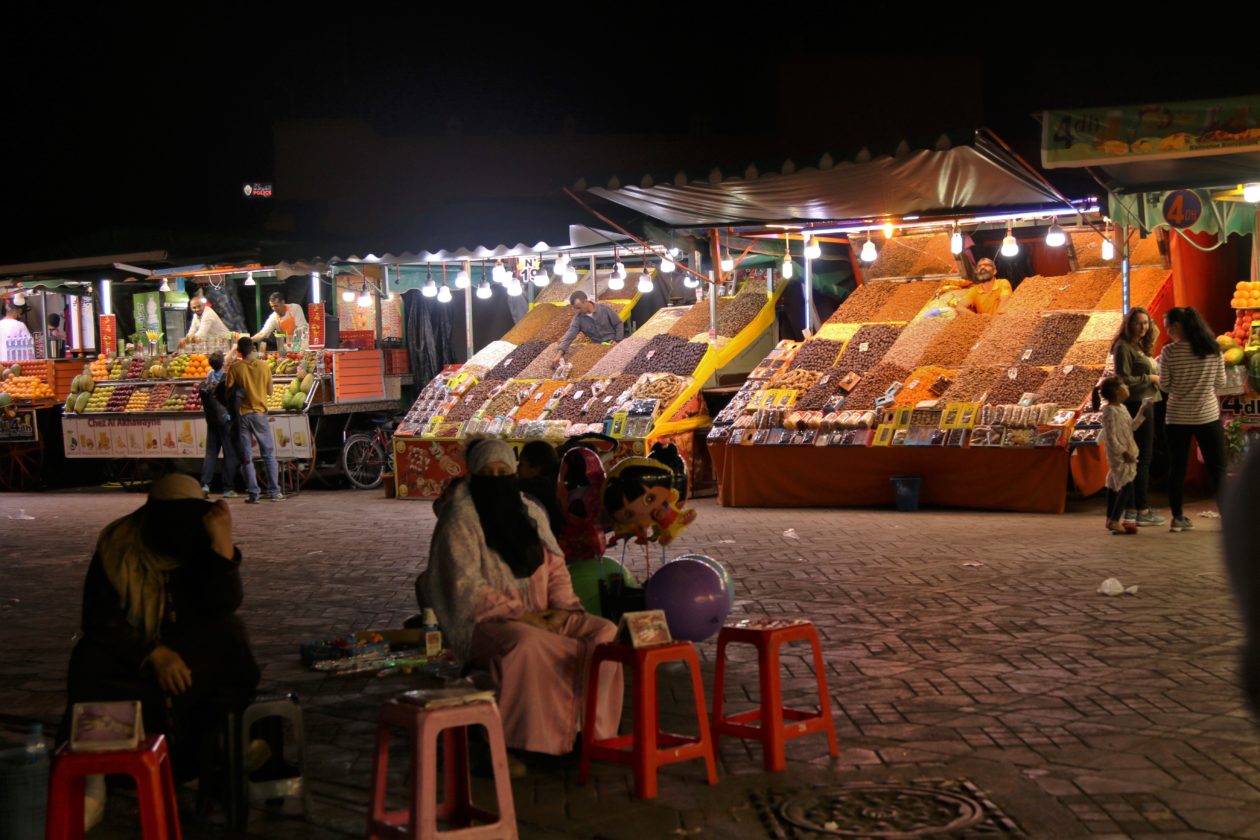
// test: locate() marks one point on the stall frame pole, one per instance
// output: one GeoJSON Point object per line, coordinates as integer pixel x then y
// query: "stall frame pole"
{"type": "Point", "coordinates": [1124, 272]}
{"type": "Point", "coordinates": [594, 280]}
{"type": "Point", "coordinates": [468, 309]}
{"type": "Point", "coordinates": [809, 296]}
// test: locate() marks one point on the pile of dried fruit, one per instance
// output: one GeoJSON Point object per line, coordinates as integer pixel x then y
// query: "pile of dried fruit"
{"type": "Point", "coordinates": [661, 321]}
{"type": "Point", "coordinates": [1088, 353]}
{"type": "Point", "coordinates": [696, 319]}
{"type": "Point", "coordinates": [817, 354]}
{"type": "Point", "coordinates": [919, 382]}
{"type": "Point", "coordinates": [863, 303]}
{"type": "Point", "coordinates": [534, 407]}
{"type": "Point", "coordinates": [544, 364]}
{"type": "Point", "coordinates": [615, 360]}
{"type": "Point", "coordinates": [1084, 289]}
{"type": "Point", "coordinates": [868, 346]}
{"type": "Point", "coordinates": [972, 384]}
{"type": "Point", "coordinates": [907, 300]}
{"type": "Point", "coordinates": [1102, 326]}
{"type": "Point", "coordinates": [742, 309]}
{"type": "Point", "coordinates": [1009, 387]}
{"type": "Point", "coordinates": [1144, 285]}
{"type": "Point", "coordinates": [1069, 386]}
{"type": "Point", "coordinates": [827, 386]}
{"type": "Point", "coordinates": [1033, 295]}
{"type": "Point", "coordinates": [545, 322]}
{"type": "Point", "coordinates": [517, 360]}
{"type": "Point", "coordinates": [953, 343]}
{"type": "Point", "coordinates": [873, 385]}
{"type": "Point", "coordinates": [585, 357]}
{"type": "Point", "coordinates": [838, 332]}
{"type": "Point", "coordinates": [797, 380]}
{"type": "Point", "coordinates": [1053, 336]}
{"type": "Point", "coordinates": [668, 354]}
{"type": "Point", "coordinates": [915, 340]}
{"type": "Point", "coordinates": [1005, 338]}
{"type": "Point", "coordinates": [472, 400]}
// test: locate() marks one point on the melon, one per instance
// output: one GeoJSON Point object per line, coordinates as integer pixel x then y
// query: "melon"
{"type": "Point", "coordinates": [1253, 372]}
{"type": "Point", "coordinates": [308, 382]}
{"type": "Point", "coordinates": [81, 403]}
{"type": "Point", "coordinates": [1234, 356]}
{"type": "Point", "coordinates": [6, 400]}
{"type": "Point", "coordinates": [76, 385]}
{"type": "Point", "coordinates": [1225, 342]}
{"type": "Point", "coordinates": [88, 383]}
{"type": "Point", "coordinates": [69, 406]}
{"type": "Point", "coordinates": [16, 370]}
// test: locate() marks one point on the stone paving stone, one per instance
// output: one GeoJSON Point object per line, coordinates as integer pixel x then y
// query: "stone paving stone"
{"type": "Point", "coordinates": [1128, 705]}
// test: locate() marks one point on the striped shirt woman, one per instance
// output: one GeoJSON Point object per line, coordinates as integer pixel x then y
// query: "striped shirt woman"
{"type": "Point", "coordinates": [1190, 370]}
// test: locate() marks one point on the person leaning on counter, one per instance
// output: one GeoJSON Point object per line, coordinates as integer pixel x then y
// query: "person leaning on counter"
{"type": "Point", "coordinates": [206, 323]}
{"type": "Point", "coordinates": [285, 317]}
{"type": "Point", "coordinates": [989, 293]}
{"type": "Point", "coordinates": [597, 321]}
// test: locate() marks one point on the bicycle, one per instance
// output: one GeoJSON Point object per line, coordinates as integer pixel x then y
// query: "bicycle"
{"type": "Point", "coordinates": [366, 455]}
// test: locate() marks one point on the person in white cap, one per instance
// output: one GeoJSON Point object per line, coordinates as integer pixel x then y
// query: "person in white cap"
{"type": "Point", "coordinates": [499, 585]}
{"type": "Point", "coordinates": [159, 623]}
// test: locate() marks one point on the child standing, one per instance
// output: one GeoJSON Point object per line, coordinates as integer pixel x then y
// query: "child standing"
{"type": "Point", "coordinates": [1122, 454]}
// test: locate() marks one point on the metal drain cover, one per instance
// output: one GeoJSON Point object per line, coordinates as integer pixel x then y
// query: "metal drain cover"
{"type": "Point", "coordinates": [915, 808]}
{"type": "Point", "coordinates": [882, 811]}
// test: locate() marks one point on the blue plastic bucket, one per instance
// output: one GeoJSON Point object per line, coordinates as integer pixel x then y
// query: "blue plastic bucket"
{"type": "Point", "coordinates": [906, 490]}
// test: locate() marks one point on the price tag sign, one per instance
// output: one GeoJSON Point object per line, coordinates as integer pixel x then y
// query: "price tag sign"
{"type": "Point", "coordinates": [650, 354]}
{"type": "Point", "coordinates": [578, 395]}
{"type": "Point", "coordinates": [1069, 369]}
{"type": "Point", "coordinates": [912, 384]}
{"type": "Point", "coordinates": [1027, 355]}
{"type": "Point", "coordinates": [864, 346]}
{"type": "Point", "coordinates": [1182, 208]}
{"type": "Point", "coordinates": [1012, 374]}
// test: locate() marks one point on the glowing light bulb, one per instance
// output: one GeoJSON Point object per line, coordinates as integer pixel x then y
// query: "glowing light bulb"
{"type": "Point", "coordinates": [429, 289]}
{"type": "Point", "coordinates": [616, 281]}
{"type": "Point", "coordinates": [461, 280]}
{"type": "Point", "coordinates": [1108, 249]}
{"type": "Point", "coordinates": [1009, 246]}
{"type": "Point", "coordinates": [20, 299]}
{"type": "Point", "coordinates": [562, 262]}
{"type": "Point", "coordinates": [728, 264]}
{"type": "Point", "coordinates": [619, 270]}
{"type": "Point", "coordinates": [1055, 237]}
{"type": "Point", "coordinates": [691, 282]}
{"type": "Point", "coordinates": [812, 249]}
{"type": "Point", "coordinates": [249, 279]}
{"type": "Point", "coordinates": [1251, 192]}
{"type": "Point", "coordinates": [483, 291]}
{"type": "Point", "coordinates": [541, 278]}
{"type": "Point", "coordinates": [869, 251]}
{"type": "Point", "coordinates": [570, 275]}
{"type": "Point", "coordinates": [165, 287]}
{"type": "Point", "coordinates": [444, 294]}
{"type": "Point", "coordinates": [645, 283]}
{"type": "Point", "coordinates": [667, 265]}
{"type": "Point", "coordinates": [365, 299]}
{"type": "Point", "coordinates": [347, 296]}
{"type": "Point", "coordinates": [673, 252]}
{"type": "Point", "coordinates": [888, 230]}
{"type": "Point", "coordinates": [499, 274]}
{"type": "Point", "coordinates": [514, 287]}
{"type": "Point", "coordinates": [955, 243]}
{"type": "Point", "coordinates": [787, 269]}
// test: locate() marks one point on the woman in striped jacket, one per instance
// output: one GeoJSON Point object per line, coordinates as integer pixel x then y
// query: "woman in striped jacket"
{"type": "Point", "coordinates": [1190, 371]}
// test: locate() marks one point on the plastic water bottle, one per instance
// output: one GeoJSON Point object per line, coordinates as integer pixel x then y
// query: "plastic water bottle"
{"type": "Point", "coordinates": [36, 745]}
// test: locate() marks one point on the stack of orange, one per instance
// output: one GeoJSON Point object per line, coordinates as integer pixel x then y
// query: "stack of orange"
{"type": "Point", "coordinates": [100, 368]}
{"type": "Point", "coordinates": [1246, 295]}
{"type": "Point", "coordinates": [198, 366]}
{"type": "Point", "coordinates": [26, 388]}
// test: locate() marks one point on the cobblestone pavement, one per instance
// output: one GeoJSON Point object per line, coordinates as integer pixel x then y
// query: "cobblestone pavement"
{"type": "Point", "coordinates": [958, 646]}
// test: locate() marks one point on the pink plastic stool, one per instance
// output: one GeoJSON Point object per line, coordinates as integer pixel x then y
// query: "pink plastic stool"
{"type": "Point", "coordinates": [149, 764]}
{"type": "Point", "coordinates": [647, 748]}
{"type": "Point", "coordinates": [772, 724]}
{"type": "Point", "coordinates": [423, 726]}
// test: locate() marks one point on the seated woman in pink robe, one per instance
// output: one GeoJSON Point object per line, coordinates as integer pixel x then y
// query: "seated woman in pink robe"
{"type": "Point", "coordinates": [501, 590]}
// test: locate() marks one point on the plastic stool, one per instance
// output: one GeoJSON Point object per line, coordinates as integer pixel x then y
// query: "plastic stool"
{"type": "Point", "coordinates": [772, 724]}
{"type": "Point", "coordinates": [285, 707]}
{"type": "Point", "coordinates": [419, 821]}
{"type": "Point", "coordinates": [149, 764]}
{"type": "Point", "coordinates": [648, 748]}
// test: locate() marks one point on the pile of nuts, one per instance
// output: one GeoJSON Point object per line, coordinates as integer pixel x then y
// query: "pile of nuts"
{"type": "Point", "coordinates": [615, 360]}
{"type": "Point", "coordinates": [972, 384]}
{"type": "Point", "coordinates": [472, 400]}
{"type": "Point", "coordinates": [517, 360]}
{"type": "Point", "coordinates": [1053, 336]}
{"type": "Point", "coordinates": [918, 385]}
{"type": "Point", "coordinates": [1084, 289]}
{"type": "Point", "coordinates": [873, 386]}
{"type": "Point", "coordinates": [915, 340]}
{"type": "Point", "coordinates": [953, 343]}
{"type": "Point", "coordinates": [668, 354]}
{"type": "Point", "coordinates": [545, 322]}
{"type": "Point", "coordinates": [827, 386]}
{"type": "Point", "coordinates": [1008, 389]}
{"type": "Point", "coordinates": [1006, 337]}
{"type": "Point", "coordinates": [1069, 386]}
{"type": "Point", "coordinates": [1033, 295]}
{"type": "Point", "coordinates": [1144, 284]}
{"type": "Point", "coordinates": [907, 300]}
{"type": "Point", "coordinates": [696, 319]}
{"type": "Point", "coordinates": [863, 303]}
{"type": "Point", "coordinates": [1088, 353]}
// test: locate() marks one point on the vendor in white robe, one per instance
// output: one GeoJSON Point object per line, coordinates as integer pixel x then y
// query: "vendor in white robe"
{"type": "Point", "coordinates": [206, 323]}
{"type": "Point", "coordinates": [502, 593]}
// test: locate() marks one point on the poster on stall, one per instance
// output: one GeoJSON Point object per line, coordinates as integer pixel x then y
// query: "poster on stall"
{"type": "Point", "coordinates": [315, 325]}
{"type": "Point", "coordinates": [391, 317]}
{"type": "Point", "coordinates": [301, 428]}
{"type": "Point", "coordinates": [1159, 131]}
{"type": "Point", "coordinates": [147, 309]}
{"type": "Point", "coordinates": [119, 443]}
{"type": "Point", "coordinates": [281, 437]}
{"type": "Point", "coordinates": [185, 439]}
{"type": "Point", "coordinates": [20, 428]}
{"type": "Point", "coordinates": [135, 441]}
{"type": "Point", "coordinates": [109, 334]}
{"type": "Point", "coordinates": [169, 429]}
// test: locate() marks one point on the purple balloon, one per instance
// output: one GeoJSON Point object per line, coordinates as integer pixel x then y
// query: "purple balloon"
{"type": "Point", "coordinates": [727, 583]}
{"type": "Point", "coordinates": [693, 597]}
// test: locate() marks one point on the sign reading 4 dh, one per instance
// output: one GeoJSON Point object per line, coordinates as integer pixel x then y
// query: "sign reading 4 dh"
{"type": "Point", "coordinates": [1182, 208]}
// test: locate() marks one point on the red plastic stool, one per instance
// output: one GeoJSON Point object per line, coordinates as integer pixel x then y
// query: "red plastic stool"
{"type": "Point", "coordinates": [423, 726]}
{"type": "Point", "coordinates": [647, 748]}
{"type": "Point", "coordinates": [772, 724]}
{"type": "Point", "coordinates": [149, 764]}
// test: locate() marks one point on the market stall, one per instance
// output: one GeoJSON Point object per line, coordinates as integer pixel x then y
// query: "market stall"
{"type": "Point", "coordinates": [644, 390]}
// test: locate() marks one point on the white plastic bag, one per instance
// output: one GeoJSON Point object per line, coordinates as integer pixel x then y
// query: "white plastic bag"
{"type": "Point", "coordinates": [1112, 587]}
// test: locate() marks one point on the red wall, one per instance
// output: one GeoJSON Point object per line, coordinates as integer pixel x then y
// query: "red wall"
{"type": "Point", "coordinates": [1205, 279]}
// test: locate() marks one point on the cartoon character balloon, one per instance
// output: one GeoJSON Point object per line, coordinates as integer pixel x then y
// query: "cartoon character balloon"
{"type": "Point", "coordinates": [641, 501]}
{"type": "Point", "coordinates": [579, 487]}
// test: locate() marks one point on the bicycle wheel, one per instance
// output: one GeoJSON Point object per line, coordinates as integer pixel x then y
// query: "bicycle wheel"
{"type": "Point", "coordinates": [362, 461]}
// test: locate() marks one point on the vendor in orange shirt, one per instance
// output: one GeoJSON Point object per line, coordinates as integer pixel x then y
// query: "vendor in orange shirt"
{"type": "Point", "coordinates": [989, 293]}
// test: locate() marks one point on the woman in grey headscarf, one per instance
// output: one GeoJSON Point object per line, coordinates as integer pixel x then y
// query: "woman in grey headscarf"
{"type": "Point", "coordinates": [501, 590]}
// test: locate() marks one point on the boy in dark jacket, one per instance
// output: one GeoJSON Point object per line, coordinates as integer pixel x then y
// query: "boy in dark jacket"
{"type": "Point", "coordinates": [218, 430]}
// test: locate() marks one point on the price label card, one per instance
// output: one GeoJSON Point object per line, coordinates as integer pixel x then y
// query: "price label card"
{"type": "Point", "coordinates": [864, 346]}
{"type": "Point", "coordinates": [1012, 374]}
{"type": "Point", "coordinates": [508, 361]}
{"type": "Point", "coordinates": [912, 384]}
{"type": "Point", "coordinates": [1027, 355]}
{"type": "Point", "coordinates": [578, 395]}
{"type": "Point", "coordinates": [1069, 369]}
{"type": "Point", "coordinates": [650, 354]}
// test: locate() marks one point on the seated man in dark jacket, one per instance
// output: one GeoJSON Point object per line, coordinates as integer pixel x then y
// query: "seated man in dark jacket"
{"type": "Point", "coordinates": [159, 623]}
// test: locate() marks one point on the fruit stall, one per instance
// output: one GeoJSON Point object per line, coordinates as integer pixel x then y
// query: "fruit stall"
{"type": "Point", "coordinates": [640, 391]}
{"type": "Point", "coordinates": [1240, 399]}
{"type": "Point", "coordinates": [149, 407]}
{"type": "Point", "coordinates": [26, 401]}
{"type": "Point", "coordinates": [984, 411]}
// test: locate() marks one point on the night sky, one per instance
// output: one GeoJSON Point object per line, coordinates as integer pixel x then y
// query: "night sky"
{"type": "Point", "coordinates": [136, 122]}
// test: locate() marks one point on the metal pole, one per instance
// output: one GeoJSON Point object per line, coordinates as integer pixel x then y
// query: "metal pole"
{"type": "Point", "coordinates": [809, 296]}
{"type": "Point", "coordinates": [594, 281]}
{"type": "Point", "coordinates": [1124, 272]}
{"type": "Point", "coordinates": [712, 310]}
{"type": "Point", "coordinates": [468, 309]}
{"type": "Point", "coordinates": [380, 302]}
